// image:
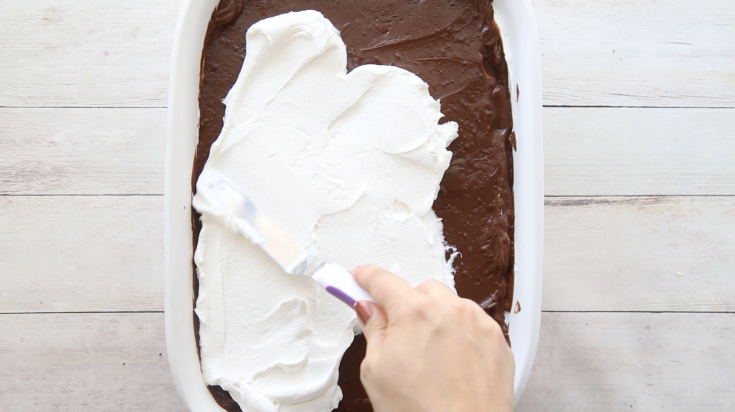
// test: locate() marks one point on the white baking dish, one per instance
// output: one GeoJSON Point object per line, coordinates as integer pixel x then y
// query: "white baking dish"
{"type": "Point", "coordinates": [520, 37]}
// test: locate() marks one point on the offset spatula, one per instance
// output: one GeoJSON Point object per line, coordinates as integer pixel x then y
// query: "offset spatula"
{"type": "Point", "coordinates": [219, 197]}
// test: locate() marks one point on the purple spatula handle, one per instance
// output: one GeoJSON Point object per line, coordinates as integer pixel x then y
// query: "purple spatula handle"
{"type": "Point", "coordinates": [339, 282]}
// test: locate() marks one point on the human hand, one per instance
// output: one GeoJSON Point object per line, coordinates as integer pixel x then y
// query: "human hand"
{"type": "Point", "coordinates": [429, 350]}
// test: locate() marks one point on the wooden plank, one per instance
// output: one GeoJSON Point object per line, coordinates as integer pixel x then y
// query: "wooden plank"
{"type": "Point", "coordinates": [85, 362]}
{"type": "Point", "coordinates": [621, 151]}
{"type": "Point", "coordinates": [82, 151]}
{"type": "Point", "coordinates": [640, 254]}
{"type": "Point", "coordinates": [589, 151]}
{"type": "Point", "coordinates": [86, 52]}
{"type": "Point", "coordinates": [81, 253]}
{"type": "Point", "coordinates": [586, 361]}
{"type": "Point", "coordinates": [633, 362]}
{"type": "Point", "coordinates": [670, 53]}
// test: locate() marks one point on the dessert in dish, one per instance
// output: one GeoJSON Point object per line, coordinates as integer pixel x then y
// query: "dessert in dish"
{"type": "Point", "coordinates": [315, 147]}
{"type": "Point", "coordinates": [454, 47]}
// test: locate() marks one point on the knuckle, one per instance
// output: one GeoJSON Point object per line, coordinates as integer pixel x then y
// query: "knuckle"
{"type": "Point", "coordinates": [424, 287]}
{"type": "Point", "coordinates": [430, 284]}
{"type": "Point", "coordinates": [363, 271]}
{"type": "Point", "coordinates": [464, 307]}
{"type": "Point", "coordinates": [496, 330]}
{"type": "Point", "coordinates": [492, 329]}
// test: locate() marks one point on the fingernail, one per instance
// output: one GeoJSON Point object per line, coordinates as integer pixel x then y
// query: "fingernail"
{"type": "Point", "coordinates": [364, 310]}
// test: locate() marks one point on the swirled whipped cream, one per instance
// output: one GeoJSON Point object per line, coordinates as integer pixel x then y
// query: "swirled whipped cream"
{"type": "Point", "coordinates": [349, 164]}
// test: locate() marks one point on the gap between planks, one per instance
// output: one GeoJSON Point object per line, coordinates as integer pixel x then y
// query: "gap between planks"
{"type": "Point", "coordinates": [550, 197]}
{"type": "Point", "coordinates": [551, 106]}
{"type": "Point", "coordinates": [653, 312]}
{"type": "Point", "coordinates": [133, 312]}
{"type": "Point", "coordinates": [87, 107]}
{"type": "Point", "coordinates": [83, 312]}
{"type": "Point", "coordinates": [590, 106]}
{"type": "Point", "coordinates": [79, 194]}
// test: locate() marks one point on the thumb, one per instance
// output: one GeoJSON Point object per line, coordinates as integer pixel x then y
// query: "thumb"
{"type": "Point", "coordinates": [373, 320]}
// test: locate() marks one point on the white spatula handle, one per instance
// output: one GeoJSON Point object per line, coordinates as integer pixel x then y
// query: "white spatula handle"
{"type": "Point", "coordinates": [339, 282]}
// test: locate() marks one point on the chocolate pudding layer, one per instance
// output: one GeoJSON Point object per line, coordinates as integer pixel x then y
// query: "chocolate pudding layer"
{"type": "Point", "coordinates": [455, 47]}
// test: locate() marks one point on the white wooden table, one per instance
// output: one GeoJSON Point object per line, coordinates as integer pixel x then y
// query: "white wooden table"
{"type": "Point", "coordinates": [639, 291]}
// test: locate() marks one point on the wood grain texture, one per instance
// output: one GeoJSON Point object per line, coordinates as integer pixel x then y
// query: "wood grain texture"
{"type": "Point", "coordinates": [86, 52]}
{"type": "Point", "coordinates": [589, 151]}
{"type": "Point", "coordinates": [621, 151]}
{"type": "Point", "coordinates": [607, 249]}
{"type": "Point", "coordinates": [81, 253]}
{"type": "Point", "coordinates": [640, 254]}
{"type": "Point", "coordinates": [673, 53]}
{"type": "Point", "coordinates": [82, 151]}
{"type": "Point", "coordinates": [85, 362]}
{"type": "Point", "coordinates": [633, 362]}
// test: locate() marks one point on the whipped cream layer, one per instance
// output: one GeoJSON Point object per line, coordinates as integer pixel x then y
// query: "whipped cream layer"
{"type": "Point", "coordinates": [349, 165]}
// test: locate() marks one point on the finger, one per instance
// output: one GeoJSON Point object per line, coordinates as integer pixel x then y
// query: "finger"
{"type": "Point", "coordinates": [435, 289]}
{"type": "Point", "coordinates": [387, 289]}
{"type": "Point", "coordinates": [372, 320]}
